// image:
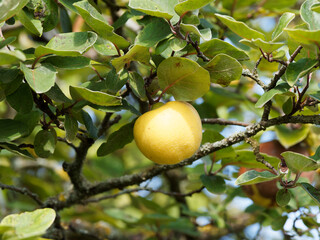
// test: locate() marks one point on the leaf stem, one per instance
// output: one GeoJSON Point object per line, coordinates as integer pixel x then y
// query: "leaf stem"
{"type": "Point", "coordinates": [36, 60]}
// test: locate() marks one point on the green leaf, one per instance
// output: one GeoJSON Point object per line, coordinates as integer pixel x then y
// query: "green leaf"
{"type": "Point", "coordinates": [115, 82]}
{"type": "Point", "coordinates": [253, 177]}
{"type": "Point", "coordinates": [11, 130]}
{"type": "Point", "coordinates": [30, 119]}
{"type": "Point", "coordinates": [177, 44]}
{"type": "Point", "coordinates": [164, 50]}
{"type": "Point", "coordinates": [313, 192]}
{"type": "Point", "coordinates": [121, 21]}
{"type": "Point", "coordinates": [304, 36]}
{"type": "Point", "coordinates": [65, 21]}
{"type": "Point", "coordinates": [155, 31]}
{"type": "Point", "coordinates": [96, 21]}
{"type": "Point", "coordinates": [267, 96]}
{"type": "Point", "coordinates": [298, 162]}
{"type": "Point", "coordinates": [87, 120]}
{"type": "Point", "coordinates": [213, 183]}
{"type": "Point", "coordinates": [21, 100]}
{"type": "Point", "coordinates": [16, 150]}
{"type": "Point", "coordinates": [40, 79]}
{"type": "Point", "coordinates": [68, 44]}
{"type": "Point", "coordinates": [51, 15]}
{"type": "Point", "coordinates": [287, 106]}
{"type": "Point", "coordinates": [71, 127]}
{"type": "Point", "coordinates": [216, 46]}
{"type": "Point", "coordinates": [223, 69]}
{"type": "Point", "coordinates": [310, 17]}
{"type": "Point", "coordinates": [267, 47]}
{"type": "Point", "coordinates": [182, 225]}
{"type": "Point", "coordinates": [57, 95]}
{"type": "Point", "coordinates": [10, 80]}
{"type": "Point", "coordinates": [95, 97]}
{"type": "Point", "coordinates": [136, 83]}
{"type": "Point", "coordinates": [157, 8]}
{"type": "Point", "coordinates": [283, 197]}
{"type": "Point", "coordinates": [136, 53]}
{"type": "Point", "coordinates": [190, 5]}
{"type": "Point", "coordinates": [27, 20]}
{"type": "Point", "coordinates": [45, 143]}
{"type": "Point", "coordinates": [121, 215]}
{"type": "Point", "coordinates": [4, 229]}
{"type": "Point", "coordinates": [68, 62]}
{"type": "Point", "coordinates": [11, 57]}
{"type": "Point", "coordinates": [284, 21]}
{"type": "Point", "coordinates": [278, 223]}
{"type": "Point", "coordinates": [246, 158]}
{"type": "Point", "coordinates": [279, 4]}
{"type": "Point", "coordinates": [9, 8]}
{"type": "Point", "coordinates": [212, 136]}
{"type": "Point", "coordinates": [69, 4]}
{"type": "Point", "coordinates": [229, 4]}
{"type": "Point", "coordinates": [205, 34]}
{"type": "Point", "coordinates": [290, 137]}
{"type": "Point", "coordinates": [315, 95]}
{"type": "Point", "coordinates": [316, 7]}
{"type": "Point", "coordinates": [240, 28]}
{"type": "Point", "coordinates": [117, 140]}
{"type": "Point", "coordinates": [7, 41]}
{"type": "Point", "coordinates": [299, 69]}
{"type": "Point", "coordinates": [29, 225]}
{"type": "Point", "coordinates": [105, 47]}
{"type": "Point", "coordinates": [183, 78]}
{"type": "Point", "coordinates": [316, 156]}
{"type": "Point", "coordinates": [125, 106]}
{"type": "Point", "coordinates": [156, 217]}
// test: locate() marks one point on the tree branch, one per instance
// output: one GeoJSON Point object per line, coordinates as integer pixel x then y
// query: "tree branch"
{"type": "Point", "coordinates": [23, 191]}
{"type": "Point", "coordinates": [74, 169]}
{"type": "Point", "coordinates": [221, 121]}
{"type": "Point", "coordinates": [127, 180]}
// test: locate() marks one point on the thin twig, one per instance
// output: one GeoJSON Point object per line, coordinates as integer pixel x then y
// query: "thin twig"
{"type": "Point", "coordinates": [256, 150]}
{"type": "Point", "coordinates": [273, 83]}
{"type": "Point", "coordinates": [94, 69]}
{"type": "Point", "coordinates": [176, 31]}
{"type": "Point", "coordinates": [255, 70]}
{"type": "Point", "coordinates": [195, 45]}
{"type": "Point", "coordinates": [23, 191]}
{"type": "Point", "coordinates": [298, 106]}
{"type": "Point", "coordinates": [246, 73]}
{"type": "Point", "coordinates": [282, 70]}
{"type": "Point", "coordinates": [43, 106]}
{"type": "Point", "coordinates": [107, 123]}
{"type": "Point", "coordinates": [66, 142]}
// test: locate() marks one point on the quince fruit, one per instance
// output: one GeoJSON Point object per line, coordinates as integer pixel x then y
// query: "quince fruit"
{"type": "Point", "coordinates": [170, 133]}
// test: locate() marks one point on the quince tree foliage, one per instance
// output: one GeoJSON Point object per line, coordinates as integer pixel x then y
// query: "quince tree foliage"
{"type": "Point", "coordinates": [75, 76]}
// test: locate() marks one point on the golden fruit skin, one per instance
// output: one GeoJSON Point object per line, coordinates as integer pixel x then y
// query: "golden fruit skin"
{"type": "Point", "coordinates": [169, 134]}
